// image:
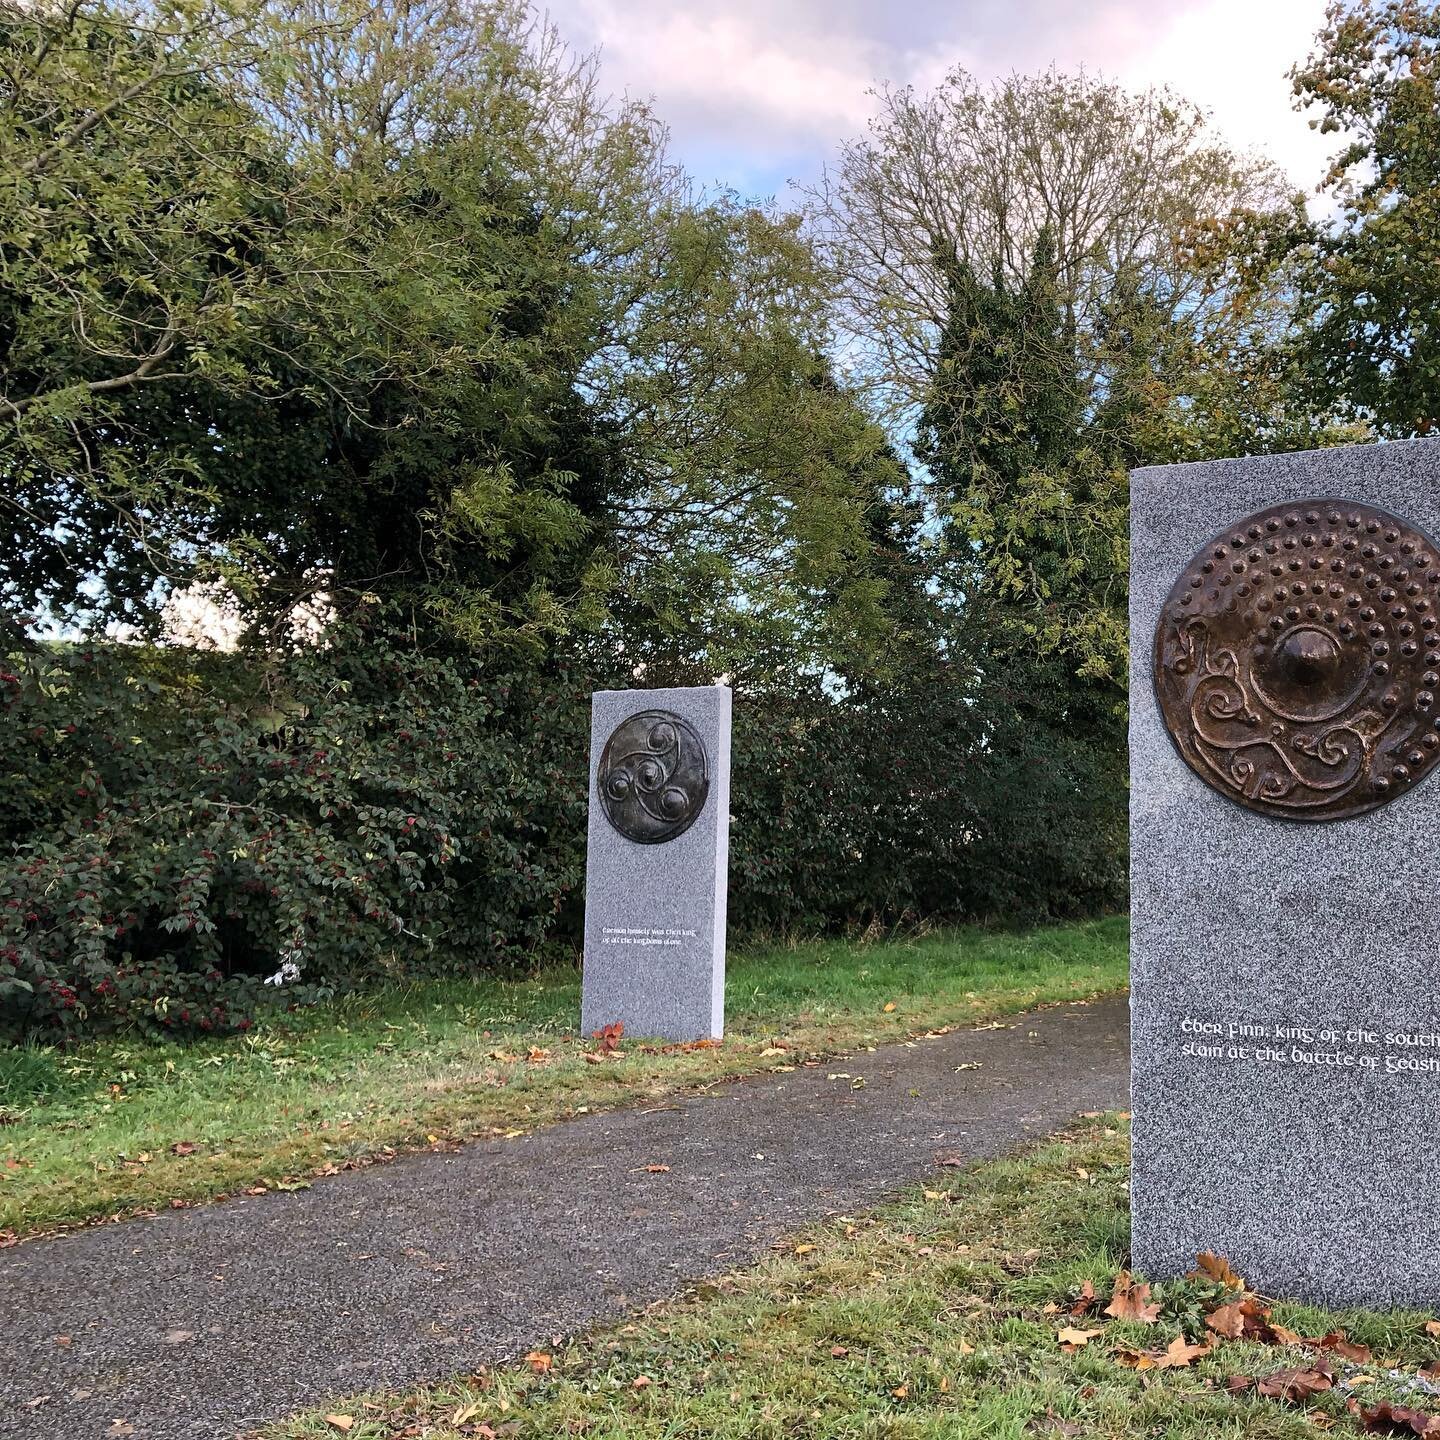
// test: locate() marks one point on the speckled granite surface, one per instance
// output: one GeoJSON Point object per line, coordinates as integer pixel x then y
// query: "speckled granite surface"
{"type": "Point", "coordinates": [1311, 1163]}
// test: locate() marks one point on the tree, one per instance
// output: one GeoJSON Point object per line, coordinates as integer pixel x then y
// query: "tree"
{"type": "Point", "coordinates": [382, 299]}
{"type": "Point", "coordinates": [1035, 298]}
{"type": "Point", "coordinates": [1368, 281]}
{"type": "Point", "coordinates": [972, 176]}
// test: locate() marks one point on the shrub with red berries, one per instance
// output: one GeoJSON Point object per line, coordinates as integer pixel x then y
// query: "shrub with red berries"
{"type": "Point", "coordinates": [180, 829]}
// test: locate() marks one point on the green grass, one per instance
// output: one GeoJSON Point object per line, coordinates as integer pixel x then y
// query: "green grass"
{"type": "Point", "coordinates": [938, 1316]}
{"type": "Point", "coordinates": [92, 1131]}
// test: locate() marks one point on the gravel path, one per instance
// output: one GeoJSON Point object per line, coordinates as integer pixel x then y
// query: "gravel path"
{"type": "Point", "coordinates": [205, 1322]}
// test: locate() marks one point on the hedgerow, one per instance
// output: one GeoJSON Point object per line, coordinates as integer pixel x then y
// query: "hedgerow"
{"type": "Point", "coordinates": [189, 838]}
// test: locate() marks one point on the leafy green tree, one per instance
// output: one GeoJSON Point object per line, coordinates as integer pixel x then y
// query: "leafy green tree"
{"type": "Point", "coordinates": [381, 299]}
{"type": "Point", "coordinates": [1368, 281]}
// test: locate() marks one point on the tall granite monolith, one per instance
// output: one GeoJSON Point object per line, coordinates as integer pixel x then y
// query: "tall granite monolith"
{"type": "Point", "coordinates": [1285, 836]}
{"type": "Point", "coordinates": [655, 875]}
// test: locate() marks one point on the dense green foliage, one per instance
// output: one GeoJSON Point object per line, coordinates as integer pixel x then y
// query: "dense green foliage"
{"type": "Point", "coordinates": [181, 833]}
{"type": "Point", "coordinates": [356, 811]}
{"type": "Point", "coordinates": [1370, 282]}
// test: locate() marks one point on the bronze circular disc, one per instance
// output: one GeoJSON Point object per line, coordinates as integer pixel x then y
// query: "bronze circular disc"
{"type": "Point", "coordinates": [1297, 660]}
{"type": "Point", "coordinates": [653, 777]}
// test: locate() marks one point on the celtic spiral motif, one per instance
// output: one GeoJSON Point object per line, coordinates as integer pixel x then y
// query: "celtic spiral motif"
{"type": "Point", "coordinates": [1297, 660]}
{"type": "Point", "coordinates": [653, 777]}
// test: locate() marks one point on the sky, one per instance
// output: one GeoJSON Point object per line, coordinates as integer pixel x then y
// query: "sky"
{"type": "Point", "coordinates": [760, 93]}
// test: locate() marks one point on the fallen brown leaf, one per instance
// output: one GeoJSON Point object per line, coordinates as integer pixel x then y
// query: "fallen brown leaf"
{"type": "Point", "coordinates": [1180, 1353]}
{"type": "Point", "coordinates": [1131, 1301]}
{"type": "Point", "coordinates": [1298, 1385]}
{"type": "Point", "coordinates": [343, 1423]}
{"type": "Point", "coordinates": [1248, 1319]}
{"type": "Point", "coordinates": [1347, 1349]}
{"type": "Point", "coordinates": [1078, 1338]}
{"type": "Point", "coordinates": [184, 1147]}
{"type": "Point", "coordinates": [1387, 1418]}
{"type": "Point", "coordinates": [1086, 1300]}
{"type": "Point", "coordinates": [1208, 1266]}
{"type": "Point", "coordinates": [609, 1035]}
{"type": "Point", "coordinates": [1136, 1359]}
{"type": "Point", "coordinates": [539, 1361]}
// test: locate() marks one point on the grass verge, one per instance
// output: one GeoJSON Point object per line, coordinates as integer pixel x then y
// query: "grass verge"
{"type": "Point", "coordinates": [118, 1127]}
{"type": "Point", "coordinates": [939, 1316]}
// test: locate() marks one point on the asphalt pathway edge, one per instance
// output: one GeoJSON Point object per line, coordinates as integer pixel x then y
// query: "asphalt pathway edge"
{"type": "Point", "coordinates": [212, 1320]}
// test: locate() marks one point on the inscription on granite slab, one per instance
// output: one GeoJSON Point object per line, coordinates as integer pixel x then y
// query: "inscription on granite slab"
{"type": "Point", "coordinates": [658, 851]}
{"type": "Point", "coordinates": [1285, 991]}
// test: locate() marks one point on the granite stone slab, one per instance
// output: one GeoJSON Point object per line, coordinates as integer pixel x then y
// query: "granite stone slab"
{"type": "Point", "coordinates": [658, 853]}
{"type": "Point", "coordinates": [1299, 1137]}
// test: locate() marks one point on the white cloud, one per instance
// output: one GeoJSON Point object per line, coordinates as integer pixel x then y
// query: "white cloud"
{"type": "Point", "coordinates": [758, 90]}
{"type": "Point", "coordinates": [1232, 56]}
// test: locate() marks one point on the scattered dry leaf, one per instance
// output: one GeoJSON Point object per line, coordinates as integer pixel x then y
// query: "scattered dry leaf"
{"type": "Point", "coordinates": [1180, 1353]}
{"type": "Point", "coordinates": [539, 1361]}
{"type": "Point", "coordinates": [1209, 1266]}
{"type": "Point", "coordinates": [1298, 1385]}
{"type": "Point", "coordinates": [1248, 1319]}
{"type": "Point", "coordinates": [1388, 1418]}
{"type": "Point", "coordinates": [1131, 1301]}
{"type": "Point", "coordinates": [343, 1423]}
{"type": "Point", "coordinates": [609, 1036]}
{"type": "Point", "coordinates": [1346, 1349]}
{"type": "Point", "coordinates": [1136, 1359]}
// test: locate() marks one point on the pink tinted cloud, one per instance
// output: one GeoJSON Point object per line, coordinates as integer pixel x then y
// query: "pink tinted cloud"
{"type": "Point", "coordinates": [756, 90]}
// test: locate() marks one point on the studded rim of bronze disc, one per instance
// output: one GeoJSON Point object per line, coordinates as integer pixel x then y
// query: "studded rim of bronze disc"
{"type": "Point", "coordinates": [1297, 660]}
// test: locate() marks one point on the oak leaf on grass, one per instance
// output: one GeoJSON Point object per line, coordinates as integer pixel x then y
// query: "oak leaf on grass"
{"type": "Point", "coordinates": [1209, 1266]}
{"type": "Point", "coordinates": [1297, 1385]}
{"type": "Point", "coordinates": [1131, 1301]}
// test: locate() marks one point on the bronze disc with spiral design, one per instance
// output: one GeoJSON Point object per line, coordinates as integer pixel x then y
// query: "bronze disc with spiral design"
{"type": "Point", "coordinates": [1297, 660]}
